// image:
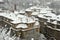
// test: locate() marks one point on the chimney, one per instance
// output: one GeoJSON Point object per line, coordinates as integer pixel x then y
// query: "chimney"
{"type": "Point", "coordinates": [28, 12]}
{"type": "Point", "coordinates": [15, 8]}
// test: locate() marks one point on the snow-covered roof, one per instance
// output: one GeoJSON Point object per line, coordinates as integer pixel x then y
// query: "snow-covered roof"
{"type": "Point", "coordinates": [41, 16]}
{"type": "Point", "coordinates": [36, 23]}
{"type": "Point", "coordinates": [17, 18]}
{"type": "Point", "coordinates": [48, 9]}
{"type": "Point", "coordinates": [36, 19]}
{"type": "Point", "coordinates": [54, 18]}
{"type": "Point", "coordinates": [23, 19]}
{"type": "Point", "coordinates": [43, 11]}
{"type": "Point", "coordinates": [50, 14]}
{"type": "Point", "coordinates": [34, 7]}
{"type": "Point", "coordinates": [48, 20]}
{"type": "Point", "coordinates": [11, 16]}
{"type": "Point", "coordinates": [1, 9]}
{"type": "Point", "coordinates": [35, 13]}
{"type": "Point", "coordinates": [16, 21]}
{"type": "Point", "coordinates": [21, 16]}
{"type": "Point", "coordinates": [48, 3]}
{"type": "Point", "coordinates": [30, 4]}
{"type": "Point", "coordinates": [22, 26]}
{"type": "Point", "coordinates": [58, 19]}
{"type": "Point", "coordinates": [55, 22]}
{"type": "Point", "coordinates": [1, 1]}
{"type": "Point", "coordinates": [16, 12]}
{"type": "Point", "coordinates": [58, 16]}
{"type": "Point", "coordinates": [30, 20]}
{"type": "Point", "coordinates": [29, 10]}
{"type": "Point", "coordinates": [22, 12]}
